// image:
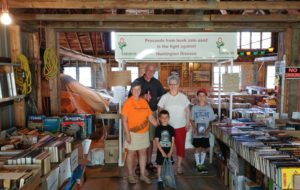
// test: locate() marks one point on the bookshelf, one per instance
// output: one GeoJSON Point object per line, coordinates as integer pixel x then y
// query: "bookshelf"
{"type": "Point", "coordinates": [272, 152]}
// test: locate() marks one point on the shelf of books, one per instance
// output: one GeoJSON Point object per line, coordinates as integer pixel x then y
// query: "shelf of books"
{"type": "Point", "coordinates": [46, 155]}
{"type": "Point", "coordinates": [272, 152]}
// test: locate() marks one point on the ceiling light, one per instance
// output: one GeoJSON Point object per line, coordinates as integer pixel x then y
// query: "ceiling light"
{"type": "Point", "coordinates": [5, 18]}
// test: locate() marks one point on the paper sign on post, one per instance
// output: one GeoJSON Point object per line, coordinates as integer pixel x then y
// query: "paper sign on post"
{"type": "Point", "coordinates": [231, 82]}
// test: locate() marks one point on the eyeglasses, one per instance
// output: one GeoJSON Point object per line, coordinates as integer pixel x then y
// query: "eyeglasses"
{"type": "Point", "coordinates": [172, 84]}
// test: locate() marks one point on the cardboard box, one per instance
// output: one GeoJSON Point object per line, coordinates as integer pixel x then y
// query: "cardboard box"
{"type": "Point", "coordinates": [111, 150]}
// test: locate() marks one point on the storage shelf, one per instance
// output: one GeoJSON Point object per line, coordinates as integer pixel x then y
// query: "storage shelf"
{"type": "Point", "coordinates": [9, 64]}
{"type": "Point", "coordinates": [11, 98]}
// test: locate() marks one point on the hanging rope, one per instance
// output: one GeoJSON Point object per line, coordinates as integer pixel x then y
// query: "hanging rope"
{"type": "Point", "coordinates": [23, 75]}
{"type": "Point", "coordinates": [50, 63]}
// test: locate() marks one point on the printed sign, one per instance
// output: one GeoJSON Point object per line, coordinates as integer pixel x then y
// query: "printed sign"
{"type": "Point", "coordinates": [175, 46]}
{"type": "Point", "coordinates": [292, 73]}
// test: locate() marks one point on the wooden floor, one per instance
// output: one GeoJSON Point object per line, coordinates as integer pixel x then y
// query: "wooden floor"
{"type": "Point", "coordinates": [110, 177]}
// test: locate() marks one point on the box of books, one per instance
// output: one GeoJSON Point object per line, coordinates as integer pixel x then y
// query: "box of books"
{"type": "Point", "coordinates": [111, 150]}
{"type": "Point", "coordinates": [20, 177]}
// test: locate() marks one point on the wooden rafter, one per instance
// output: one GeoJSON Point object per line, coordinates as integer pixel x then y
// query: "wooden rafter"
{"type": "Point", "coordinates": [66, 36]}
{"type": "Point", "coordinates": [102, 41]}
{"type": "Point", "coordinates": [126, 4]}
{"type": "Point", "coordinates": [79, 42]}
{"type": "Point", "coordinates": [170, 26]}
{"type": "Point", "coordinates": [91, 42]}
{"type": "Point", "coordinates": [158, 18]}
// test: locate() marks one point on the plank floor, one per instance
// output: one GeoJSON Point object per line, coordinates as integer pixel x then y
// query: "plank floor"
{"type": "Point", "coordinates": [111, 177]}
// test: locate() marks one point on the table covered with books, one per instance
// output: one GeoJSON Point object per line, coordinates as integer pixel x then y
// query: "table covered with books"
{"type": "Point", "coordinates": [271, 151]}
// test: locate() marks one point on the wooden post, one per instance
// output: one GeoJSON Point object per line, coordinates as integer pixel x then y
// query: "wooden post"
{"type": "Point", "coordinates": [15, 50]}
{"type": "Point", "coordinates": [54, 83]}
{"type": "Point", "coordinates": [37, 68]}
{"type": "Point", "coordinates": [292, 51]}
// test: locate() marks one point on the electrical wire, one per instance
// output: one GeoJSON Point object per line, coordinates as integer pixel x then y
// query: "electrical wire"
{"type": "Point", "coordinates": [23, 75]}
{"type": "Point", "coordinates": [50, 63]}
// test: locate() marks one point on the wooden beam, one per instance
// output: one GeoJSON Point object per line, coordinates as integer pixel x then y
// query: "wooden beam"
{"type": "Point", "coordinates": [66, 36]}
{"type": "Point", "coordinates": [80, 46]}
{"type": "Point", "coordinates": [127, 4]}
{"type": "Point", "coordinates": [80, 56]}
{"type": "Point", "coordinates": [157, 18]}
{"type": "Point", "coordinates": [54, 83]}
{"type": "Point", "coordinates": [292, 51]}
{"type": "Point", "coordinates": [36, 56]}
{"type": "Point", "coordinates": [15, 50]}
{"type": "Point", "coordinates": [91, 42]}
{"type": "Point", "coordinates": [171, 27]}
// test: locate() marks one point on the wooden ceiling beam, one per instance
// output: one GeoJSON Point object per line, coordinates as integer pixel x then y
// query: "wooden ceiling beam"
{"type": "Point", "coordinates": [127, 4]}
{"type": "Point", "coordinates": [91, 42]}
{"type": "Point", "coordinates": [66, 36]}
{"type": "Point", "coordinates": [79, 56]}
{"type": "Point", "coordinates": [157, 18]}
{"type": "Point", "coordinates": [170, 27]}
{"type": "Point", "coordinates": [79, 42]}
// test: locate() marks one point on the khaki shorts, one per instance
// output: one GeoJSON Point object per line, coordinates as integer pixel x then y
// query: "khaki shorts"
{"type": "Point", "coordinates": [138, 141]}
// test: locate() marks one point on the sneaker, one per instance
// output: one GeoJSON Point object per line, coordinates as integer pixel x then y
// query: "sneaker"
{"type": "Point", "coordinates": [145, 179]}
{"type": "Point", "coordinates": [202, 169]}
{"type": "Point", "coordinates": [132, 179]}
{"type": "Point", "coordinates": [150, 167]}
{"type": "Point", "coordinates": [160, 185]}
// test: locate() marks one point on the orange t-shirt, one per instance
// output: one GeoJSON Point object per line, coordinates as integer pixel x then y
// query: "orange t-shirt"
{"type": "Point", "coordinates": [137, 113]}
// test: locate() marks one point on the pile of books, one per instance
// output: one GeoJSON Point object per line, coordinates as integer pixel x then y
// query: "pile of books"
{"type": "Point", "coordinates": [32, 157]}
{"type": "Point", "coordinates": [15, 178]}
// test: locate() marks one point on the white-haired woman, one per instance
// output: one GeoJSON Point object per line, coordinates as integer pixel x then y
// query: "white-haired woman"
{"type": "Point", "coordinates": [177, 104]}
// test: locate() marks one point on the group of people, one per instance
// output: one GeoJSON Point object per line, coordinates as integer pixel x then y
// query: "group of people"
{"type": "Point", "coordinates": [146, 98]}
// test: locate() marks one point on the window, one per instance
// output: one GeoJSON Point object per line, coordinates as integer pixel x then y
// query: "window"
{"type": "Point", "coordinates": [270, 79]}
{"type": "Point", "coordinates": [85, 76]}
{"type": "Point", "coordinates": [216, 74]}
{"type": "Point", "coordinates": [113, 40]}
{"type": "Point", "coordinates": [254, 40]}
{"type": "Point", "coordinates": [82, 74]}
{"type": "Point", "coordinates": [224, 69]}
{"type": "Point", "coordinates": [71, 71]}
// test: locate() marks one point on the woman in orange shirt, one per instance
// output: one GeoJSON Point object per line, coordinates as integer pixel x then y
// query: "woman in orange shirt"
{"type": "Point", "coordinates": [136, 115]}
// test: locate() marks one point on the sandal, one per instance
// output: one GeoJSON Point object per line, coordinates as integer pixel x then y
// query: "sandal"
{"type": "Point", "coordinates": [145, 179]}
{"type": "Point", "coordinates": [151, 167]}
{"type": "Point", "coordinates": [137, 170]}
{"type": "Point", "coordinates": [131, 179]}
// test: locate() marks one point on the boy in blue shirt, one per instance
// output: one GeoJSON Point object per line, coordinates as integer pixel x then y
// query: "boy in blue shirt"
{"type": "Point", "coordinates": [201, 116]}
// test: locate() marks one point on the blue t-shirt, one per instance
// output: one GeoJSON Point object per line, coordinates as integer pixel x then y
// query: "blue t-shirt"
{"type": "Point", "coordinates": [201, 115]}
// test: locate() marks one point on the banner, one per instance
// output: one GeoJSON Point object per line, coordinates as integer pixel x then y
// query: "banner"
{"type": "Point", "coordinates": [175, 46]}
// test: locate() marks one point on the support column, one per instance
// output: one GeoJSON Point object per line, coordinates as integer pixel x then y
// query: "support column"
{"type": "Point", "coordinates": [37, 68]}
{"type": "Point", "coordinates": [15, 50]}
{"type": "Point", "coordinates": [54, 83]}
{"type": "Point", "coordinates": [292, 51]}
